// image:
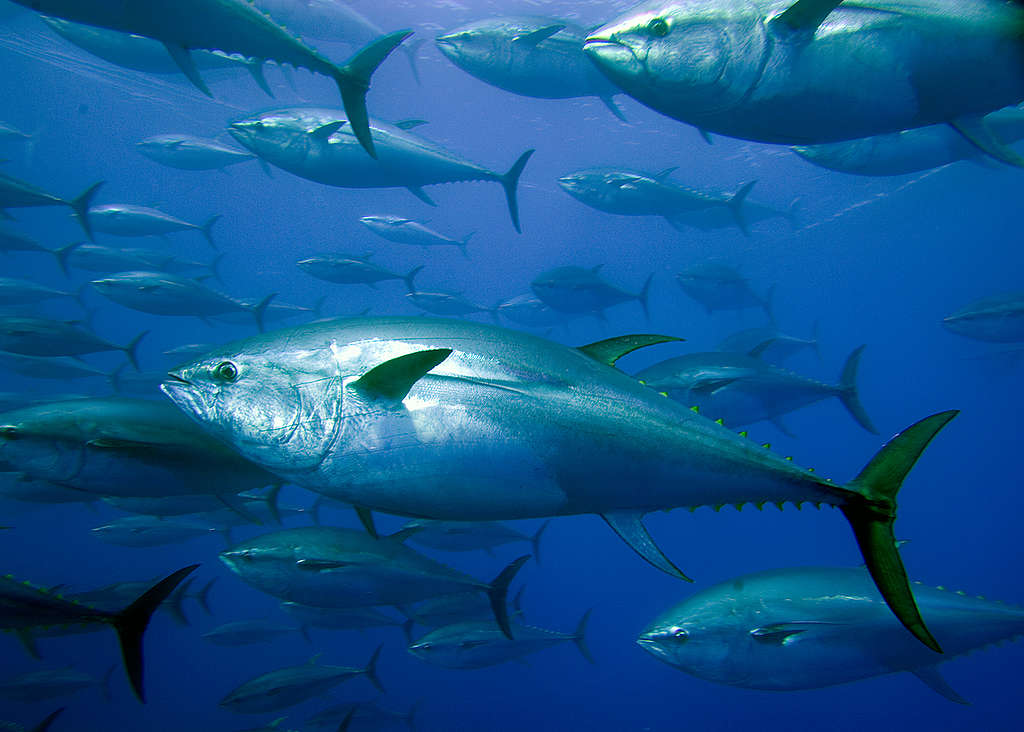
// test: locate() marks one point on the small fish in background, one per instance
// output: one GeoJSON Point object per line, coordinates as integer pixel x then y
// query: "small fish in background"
{"type": "Point", "coordinates": [37, 686]}
{"type": "Point", "coordinates": [319, 145]}
{"type": "Point", "coordinates": [576, 290]}
{"type": "Point", "coordinates": [812, 627]}
{"type": "Point", "coordinates": [365, 714]}
{"type": "Point", "coordinates": [998, 319]}
{"type": "Point", "coordinates": [348, 618]}
{"type": "Point", "coordinates": [111, 260]}
{"type": "Point", "coordinates": [21, 487]}
{"type": "Point", "coordinates": [458, 607]}
{"type": "Point", "coordinates": [147, 531]}
{"type": "Point", "coordinates": [186, 152]}
{"type": "Point", "coordinates": [407, 231]}
{"type": "Point", "coordinates": [718, 286]}
{"type": "Point", "coordinates": [48, 367]}
{"type": "Point", "coordinates": [286, 687]}
{"type": "Point", "coordinates": [482, 644]}
{"type": "Point", "coordinates": [127, 220]}
{"type": "Point", "coordinates": [113, 596]}
{"type": "Point", "coordinates": [10, 133]}
{"type": "Point", "coordinates": [44, 725]}
{"type": "Point", "coordinates": [11, 241]}
{"type": "Point", "coordinates": [17, 291]}
{"type": "Point", "coordinates": [530, 311]}
{"type": "Point", "coordinates": [248, 632]}
{"type": "Point", "coordinates": [15, 193]}
{"type": "Point", "coordinates": [30, 336]}
{"type": "Point", "coordinates": [348, 269]}
{"type": "Point", "coordinates": [774, 345]}
{"type": "Point", "coordinates": [530, 56]}
{"type": "Point", "coordinates": [445, 303]}
{"type": "Point", "coordinates": [467, 536]}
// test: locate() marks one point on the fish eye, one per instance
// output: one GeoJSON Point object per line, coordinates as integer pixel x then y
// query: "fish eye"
{"type": "Point", "coordinates": [658, 27]}
{"type": "Point", "coordinates": [680, 634]}
{"type": "Point", "coordinates": [226, 371]}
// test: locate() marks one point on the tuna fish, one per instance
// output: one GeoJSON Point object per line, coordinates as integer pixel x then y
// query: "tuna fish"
{"type": "Point", "coordinates": [145, 531]}
{"type": "Point", "coordinates": [459, 607]}
{"type": "Point", "coordinates": [11, 241]}
{"type": "Point", "coordinates": [234, 27]}
{"type": "Point", "coordinates": [186, 152]}
{"type": "Point", "coordinates": [47, 367]}
{"type": "Point", "coordinates": [98, 258]}
{"type": "Point", "coordinates": [445, 303]}
{"type": "Point", "coordinates": [811, 627]}
{"type": "Point", "coordinates": [346, 618]}
{"type": "Point", "coordinates": [478, 645]}
{"type": "Point", "coordinates": [467, 536]}
{"type": "Point", "coordinates": [463, 421]}
{"type": "Point", "coordinates": [999, 318]}
{"type": "Point", "coordinates": [529, 310]}
{"type": "Point", "coordinates": [16, 193]}
{"type": "Point", "coordinates": [910, 151]}
{"type": "Point", "coordinates": [531, 56]}
{"type": "Point", "coordinates": [632, 193]}
{"type": "Point", "coordinates": [741, 389]}
{"type": "Point", "coordinates": [775, 346]}
{"type": "Point", "coordinates": [42, 337]}
{"type": "Point", "coordinates": [576, 290]}
{"type": "Point", "coordinates": [352, 270]}
{"type": "Point", "coordinates": [407, 231]}
{"type": "Point", "coordinates": [720, 287]}
{"type": "Point", "coordinates": [9, 132]}
{"type": "Point", "coordinates": [123, 219]}
{"type": "Point", "coordinates": [293, 685]}
{"type": "Point", "coordinates": [24, 607]}
{"type": "Point", "coordinates": [371, 716]}
{"type": "Point", "coordinates": [318, 144]}
{"type": "Point", "coordinates": [780, 71]}
{"type": "Point", "coordinates": [21, 487]}
{"type": "Point", "coordinates": [247, 632]}
{"type": "Point", "coordinates": [39, 686]}
{"type": "Point", "coordinates": [14, 291]}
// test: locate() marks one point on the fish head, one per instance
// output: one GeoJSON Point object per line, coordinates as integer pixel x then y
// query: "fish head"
{"type": "Point", "coordinates": [279, 407]}
{"type": "Point", "coordinates": [263, 563]}
{"type": "Point", "coordinates": [277, 136]}
{"type": "Point", "coordinates": [473, 47]}
{"type": "Point", "coordinates": [685, 58]}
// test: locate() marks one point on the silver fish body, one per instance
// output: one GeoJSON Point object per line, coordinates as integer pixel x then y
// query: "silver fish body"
{"type": "Point", "coordinates": [998, 318]}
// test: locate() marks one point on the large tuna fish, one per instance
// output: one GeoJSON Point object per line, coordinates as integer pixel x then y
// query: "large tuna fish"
{"type": "Point", "coordinates": [809, 627]}
{"type": "Point", "coordinates": [999, 318]}
{"type": "Point", "coordinates": [814, 71]}
{"type": "Point", "coordinates": [531, 56]}
{"type": "Point", "coordinates": [318, 144]}
{"type": "Point", "coordinates": [15, 193]}
{"type": "Point", "coordinates": [464, 421]}
{"type": "Point", "coordinates": [231, 26]}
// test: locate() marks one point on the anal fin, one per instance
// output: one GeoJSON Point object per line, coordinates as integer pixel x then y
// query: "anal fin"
{"type": "Point", "coordinates": [630, 528]}
{"type": "Point", "coordinates": [976, 131]}
{"type": "Point", "coordinates": [183, 58]}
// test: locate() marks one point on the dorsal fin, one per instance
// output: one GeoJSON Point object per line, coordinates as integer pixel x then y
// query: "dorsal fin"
{"type": "Point", "coordinates": [541, 34]}
{"type": "Point", "coordinates": [611, 350]}
{"type": "Point", "coordinates": [661, 175]}
{"type": "Point", "coordinates": [393, 379]}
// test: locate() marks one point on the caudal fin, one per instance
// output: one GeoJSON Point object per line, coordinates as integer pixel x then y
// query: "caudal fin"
{"type": "Point", "coordinates": [80, 206]}
{"type": "Point", "coordinates": [510, 182]}
{"type": "Point", "coordinates": [132, 622]}
{"type": "Point", "coordinates": [132, 349]}
{"type": "Point", "coordinates": [736, 206]}
{"type": "Point", "coordinates": [63, 253]}
{"type": "Point", "coordinates": [535, 540]}
{"type": "Point", "coordinates": [579, 637]}
{"type": "Point", "coordinates": [207, 229]}
{"type": "Point", "coordinates": [848, 393]}
{"type": "Point", "coordinates": [371, 670]}
{"type": "Point", "coordinates": [259, 311]}
{"type": "Point", "coordinates": [497, 593]}
{"type": "Point", "coordinates": [645, 293]}
{"type": "Point", "coordinates": [353, 80]}
{"type": "Point", "coordinates": [44, 726]}
{"type": "Point", "coordinates": [412, 276]}
{"type": "Point", "coordinates": [871, 510]}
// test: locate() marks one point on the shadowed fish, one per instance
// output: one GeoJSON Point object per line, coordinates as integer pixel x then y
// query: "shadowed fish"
{"type": "Point", "coordinates": [350, 618]}
{"type": "Point", "coordinates": [47, 367]}
{"type": "Point", "coordinates": [741, 389]}
{"type": "Point", "coordinates": [16, 193]}
{"type": "Point", "coordinates": [11, 241]}
{"type": "Point", "coordinates": [576, 290]}
{"type": "Point", "coordinates": [286, 687]}
{"type": "Point", "coordinates": [43, 726]}
{"type": "Point", "coordinates": [15, 291]}
{"type": "Point", "coordinates": [482, 644]}
{"type": "Point", "coordinates": [39, 686]}
{"type": "Point", "coordinates": [998, 319]}
{"type": "Point", "coordinates": [123, 219]}
{"type": "Point", "coordinates": [21, 487]}
{"type": "Point", "coordinates": [31, 336]}
{"type": "Point", "coordinates": [99, 258]}
{"type": "Point", "coordinates": [248, 632]}
{"type": "Point", "coordinates": [530, 56]}
{"type": "Point", "coordinates": [144, 531]}
{"type": "Point", "coordinates": [407, 231]}
{"type": "Point", "coordinates": [720, 287]}
{"type": "Point", "coordinates": [318, 145]}
{"type": "Point", "coordinates": [811, 627]}
{"type": "Point", "coordinates": [352, 270]}
{"type": "Point", "coordinates": [118, 594]}
{"type": "Point", "coordinates": [467, 536]}
{"type": "Point", "coordinates": [186, 152]}
{"type": "Point", "coordinates": [366, 715]}
{"type": "Point", "coordinates": [330, 567]}
{"type": "Point", "coordinates": [445, 303]}
{"type": "Point", "coordinates": [779, 71]}
{"type": "Point", "coordinates": [458, 607]}
{"type": "Point", "coordinates": [24, 607]}
{"type": "Point", "coordinates": [233, 27]}
{"type": "Point", "coordinates": [774, 345]}
{"type": "Point", "coordinates": [529, 310]}
{"type": "Point", "coordinates": [464, 421]}
{"type": "Point", "coordinates": [9, 132]}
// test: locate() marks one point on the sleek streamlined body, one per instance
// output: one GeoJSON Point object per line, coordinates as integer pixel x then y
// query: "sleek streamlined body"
{"type": "Point", "coordinates": [481, 644]}
{"type": "Point", "coordinates": [162, 293]}
{"type": "Point", "coordinates": [352, 270]}
{"type": "Point", "coordinates": [576, 291]}
{"type": "Point", "coordinates": [15, 193]}
{"type": "Point", "coordinates": [348, 618]}
{"type": "Point", "coordinates": [47, 367]}
{"type": "Point", "coordinates": [407, 231]}
{"type": "Point", "coordinates": [810, 627]}
{"type": "Point", "coordinates": [16, 291]}
{"type": "Point", "coordinates": [24, 607]}
{"type": "Point", "coordinates": [99, 258]}
{"type": "Point", "coordinates": [720, 287]}
{"type": "Point", "coordinates": [774, 345]}
{"type": "Point", "coordinates": [233, 27]}
{"type": "Point", "coordinates": [530, 311]}
{"type": "Point", "coordinates": [9, 132]}
{"type": "Point", "coordinates": [114, 596]}
{"type": "Point", "coordinates": [633, 193]}
{"type": "Point", "coordinates": [445, 303]}
{"type": "Point", "coordinates": [21, 487]}
{"type": "Point", "coordinates": [330, 567]}
{"type": "Point", "coordinates": [11, 241]}
{"type": "Point", "coordinates": [999, 318]}
{"type": "Point", "coordinates": [145, 531]}
{"type": "Point", "coordinates": [741, 389]}
{"type": "Point", "coordinates": [530, 56]}
{"type": "Point", "coordinates": [459, 607]}
{"type": "Point", "coordinates": [814, 71]}
{"type": "Point", "coordinates": [467, 536]}
{"type": "Point", "coordinates": [123, 219]}
{"type": "Point", "coordinates": [186, 152]}
{"type": "Point", "coordinates": [126, 447]}
{"type": "Point", "coordinates": [247, 632]}
{"type": "Point", "coordinates": [286, 687]}
{"type": "Point", "coordinates": [37, 686]}
{"type": "Point", "coordinates": [464, 421]}
{"type": "Point", "coordinates": [32, 336]}
{"type": "Point", "coordinates": [318, 144]}
{"type": "Point", "coordinates": [910, 151]}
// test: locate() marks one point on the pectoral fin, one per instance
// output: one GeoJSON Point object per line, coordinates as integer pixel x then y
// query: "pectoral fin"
{"type": "Point", "coordinates": [933, 680]}
{"type": "Point", "coordinates": [805, 15]}
{"type": "Point", "coordinates": [976, 132]}
{"type": "Point", "coordinates": [392, 380]}
{"type": "Point", "coordinates": [630, 528]}
{"type": "Point", "coordinates": [320, 565]}
{"type": "Point", "coordinates": [408, 124]}
{"type": "Point", "coordinates": [535, 37]}
{"type": "Point", "coordinates": [183, 58]}
{"type": "Point", "coordinates": [783, 634]}
{"type": "Point", "coordinates": [611, 350]}
{"type": "Point", "coordinates": [323, 132]}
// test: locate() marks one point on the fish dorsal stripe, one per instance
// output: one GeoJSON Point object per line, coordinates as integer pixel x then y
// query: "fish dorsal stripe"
{"type": "Point", "coordinates": [611, 350]}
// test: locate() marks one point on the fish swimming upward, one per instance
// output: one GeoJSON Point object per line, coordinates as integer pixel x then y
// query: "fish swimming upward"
{"type": "Point", "coordinates": [464, 421]}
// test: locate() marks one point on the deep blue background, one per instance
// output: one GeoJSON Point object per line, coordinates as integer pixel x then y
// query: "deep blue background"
{"type": "Point", "coordinates": [878, 262]}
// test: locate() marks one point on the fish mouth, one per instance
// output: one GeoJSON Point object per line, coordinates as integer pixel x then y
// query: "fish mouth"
{"type": "Point", "coordinates": [651, 644]}
{"type": "Point", "coordinates": [610, 54]}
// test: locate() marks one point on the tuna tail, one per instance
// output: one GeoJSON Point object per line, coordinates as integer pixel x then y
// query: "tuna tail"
{"type": "Point", "coordinates": [509, 182]}
{"type": "Point", "coordinates": [645, 293]}
{"type": "Point", "coordinates": [207, 229]}
{"type": "Point", "coordinates": [768, 304]}
{"type": "Point", "coordinates": [353, 80]}
{"type": "Point", "coordinates": [848, 393]}
{"type": "Point", "coordinates": [609, 102]}
{"type": "Point", "coordinates": [131, 350]}
{"type": "Point", "coordinates": [407, 627]}
{"type": "Point", "coordinates": [535, 540]}
{"type": "Point", "coordinates": [579, 637]}
{"type": "Point", "coordinates": [462, 244]}
{"type": "Point", "coordinates": [870, 508]}
{"type": "Point", "coordinates": [410, 53]}
{"type": "Point", "coordinates": [63, 253]}
{"type": "Point", "coordinates": [105, 684]}
{"type": "Point", "coordinates": [371, 670]}
{"type": "Point", "coordinates": [203, 597]}
{"type": "Point", "coordinates": [132, 622]}
{"type": "Point", "coordinates": [44, 726]}
{"type": "Point", "coordinates": [80, 206]}
{"type": "Point", "coordinates": [175, 603]}
{"type": "Point", "coordinates": [410, 277]}
{"type": "Point", "coordinates": [735, 204]}
{"type": "Point", "coordinates": [259, 311]}
{"type": "Point", "coordinates": [497, 593]}
{"type": "Point", "coordinates": [214, 267]}
{"type": "Point", "coordinates": [347, 721]}
{"type": "Point", "coordinates": [271, 500]}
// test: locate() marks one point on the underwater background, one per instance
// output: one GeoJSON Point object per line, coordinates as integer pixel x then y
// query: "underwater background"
{"type": "Point", "coordinates": [875, 261]}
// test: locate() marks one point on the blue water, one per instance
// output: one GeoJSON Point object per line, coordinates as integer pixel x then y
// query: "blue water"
{"type": "Point", "coordinates": [874, 261]}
